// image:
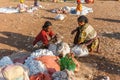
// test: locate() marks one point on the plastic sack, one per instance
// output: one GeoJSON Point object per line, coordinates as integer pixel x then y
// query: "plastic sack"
{"type": "Point", "coordinates": [67, 63]}
{"type": "Point", "coordinates": [15, 72]}
{"type": "Point", "coordinates": [35, 66]}
{"type": "Point", "coordinates": [5, 61]}
{"type": "Point", "coordinates": [61, 48]}
{"type": "Point", "coordinates": [80, 50]}
{"type": "Point", "coordinates": [63, 75]}
{"type": "Point", "coordinates": [41, 52]}
{"type": "Point", "coordinates": [60, 17]}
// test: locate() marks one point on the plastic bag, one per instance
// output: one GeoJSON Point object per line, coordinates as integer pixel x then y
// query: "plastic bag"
{"type": "Point", "coordinates": [15, 72]}
{"type": "Point", "coordinates": [60, 17]}
{"type": "Point", "coordinates": [80, 50]}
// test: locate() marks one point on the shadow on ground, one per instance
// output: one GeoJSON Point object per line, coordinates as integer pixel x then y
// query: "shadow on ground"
{"type": "Point", "coordinates": [19, 41]}
{"type": "Point", "coordinates": [115, 35]}
{"type": "Point", "coordinates": [109, 20]}
{"type": "Point", "coordinates": [102, 64]}
{"type": "Point", "coordinates": [6, 52]}
{"type": "Point", "coordinates": [49, 18]}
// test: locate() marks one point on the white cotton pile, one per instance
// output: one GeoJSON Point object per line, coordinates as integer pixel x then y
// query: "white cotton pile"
{"type": "Point", "coordinates": [80, 50]}
{"type": "Point", "coordinates": [66, 8]}
{"type": "Point", "coordinates": [41, 52]}
{"type": "Point", "coordinates": [34, 65]}
{"type": "Point", "coordinates": [59, 17]}
{"type": "Point", "coordinates": [32, 9]}
{"type": "Point", "coordinates": [64, 49]}
{"type": "Point", "coordinates": [5, 61]}
{"type": "Point", "coordinates": [59, 48]}
{"type": "Point", "coordinates": [8, 10]}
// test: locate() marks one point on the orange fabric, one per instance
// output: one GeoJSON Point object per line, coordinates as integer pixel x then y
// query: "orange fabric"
{"type": "Point", "coordinates": [50, 62]}
{"type": "Point", "coordinates": [40, 76]}
{"type": "Point", "coordinates": [78, 1]}
{"type": "Point", "coordinates": [79, 7]}
{"type": "Point", "coordinates": [89, 1]}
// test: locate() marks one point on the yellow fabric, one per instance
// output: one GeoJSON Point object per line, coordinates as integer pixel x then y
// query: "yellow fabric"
{"type": "Point", "coordinates": [94, 44]}
{"type": "Point", "coordinates": [79, 7]}
{"type": "Point", "coordinates": [87, 33]}
{"type": "Point", "coordinates": [21, 1]}
{"type": "Point", "coordinates": [13, 72]}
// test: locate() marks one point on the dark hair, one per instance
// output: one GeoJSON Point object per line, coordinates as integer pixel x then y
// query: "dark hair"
{"type": "Point", "coordinates": [82, 19]}
{"type": "Point", "coordinates": [47, 24]}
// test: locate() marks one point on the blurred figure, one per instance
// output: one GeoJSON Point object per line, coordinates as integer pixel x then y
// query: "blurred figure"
{"type": "Point", "coordinates": [86, 34]}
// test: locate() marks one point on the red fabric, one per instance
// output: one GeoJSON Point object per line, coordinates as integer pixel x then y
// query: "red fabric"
{"type": "Point", "coordinates": [43, 36]}
{"type": "Point", "coordinates": [40, 76]}
{"type": "Point", "coordinates": [50, 62]}
{"type": "Point", "coordinates": [78, 1]}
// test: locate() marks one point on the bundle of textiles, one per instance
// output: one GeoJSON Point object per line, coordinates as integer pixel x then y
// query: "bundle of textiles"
{"type": "Point", "coordinates": [41, 52]}
{"type": "Point", "coordinates": [5, 61]}
{"type": "Point", "coordinates": [14, 72]}
{"type": "Point", "coordinates": [63, 10]}
{"type": "Point", "coordinates": [72, 10]}
{"type": "Point", "coordinates": [34, 65]}
{"type": "Point", "coordinates": [80, 50]}
{"type": "Point", "coordinates": [63, 75]}
{"type": "Point", "coordinates": [59, 17]}
{"type": "Point", "coordinates": [59, 47]}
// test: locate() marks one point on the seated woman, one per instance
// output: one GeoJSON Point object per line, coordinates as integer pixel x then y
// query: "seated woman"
{"type": "Point", "coordinates": [86, 34]}
{"type": "Point", "coordinates": [45, 35]}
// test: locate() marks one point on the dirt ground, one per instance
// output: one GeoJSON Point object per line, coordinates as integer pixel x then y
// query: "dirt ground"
{"type": "Point", "coordinates": [17, 31]}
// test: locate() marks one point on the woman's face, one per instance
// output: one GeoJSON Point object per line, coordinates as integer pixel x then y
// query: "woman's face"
{"type": "Point", "coordinates": [81, 23]}
{"type": "Point", "coordinates": [49, 28]}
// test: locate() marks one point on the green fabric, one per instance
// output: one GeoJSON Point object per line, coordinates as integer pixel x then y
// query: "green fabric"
{"type": "Point", "coordinates": [67, 63]}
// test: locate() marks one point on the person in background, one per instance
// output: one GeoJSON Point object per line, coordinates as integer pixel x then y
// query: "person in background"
{"type": "Point", "coordinates": [79, 7]}
{"type": "Point", "coordinates": [45, 35]}
{"type": "Point", "coordinates": [36, 3]}
{"type": "Point", "coordinates": [21, 6]}
{"type": "Point", "coordinates": [86, 34]}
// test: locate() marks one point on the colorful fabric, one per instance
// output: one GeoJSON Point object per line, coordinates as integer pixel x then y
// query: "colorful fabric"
{"type": "Point", "coordinates": [79, 7]}
{"type": "Point", "coordinates": [50, 62]}
{"type": "Point", "coordinates": [67, 63]}
{"type": "Point", "coordinates": [85, 34]}
{"type": "Point", "coordinates": [40, 76]}
{"type": "Point", "coordinates": [44, 37]}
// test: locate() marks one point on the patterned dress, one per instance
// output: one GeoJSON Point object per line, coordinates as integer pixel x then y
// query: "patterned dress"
{"type": "Point", "coordinates": [86, 34]}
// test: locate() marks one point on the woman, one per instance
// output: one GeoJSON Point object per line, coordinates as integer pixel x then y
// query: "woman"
{"type": "Point", "coordinates": [45, 34]}
{"type": "Point", "coordinates": [86, 34]}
